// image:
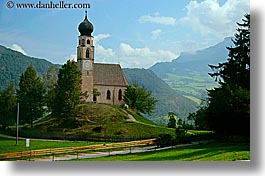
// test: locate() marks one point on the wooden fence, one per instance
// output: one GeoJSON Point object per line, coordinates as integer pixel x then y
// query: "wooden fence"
{"type": "Point", "coordinates": [82, 149]}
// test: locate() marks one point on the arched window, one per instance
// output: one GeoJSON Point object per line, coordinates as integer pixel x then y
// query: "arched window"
{"type": "Point", "coordinates": [83, 42]}
{"type": "Point", "coordinates": [88, 41]}
{"type": "Point", "coordinates": [87, 53]}
{"type": "Point", "coordinates": [79, 42]}
{"type": "Point", "coordinates": [108, 95]}
{"type": "Point", "coordinates": [95, 99]}
{"type": "Point", "coordinates": [120, 95]}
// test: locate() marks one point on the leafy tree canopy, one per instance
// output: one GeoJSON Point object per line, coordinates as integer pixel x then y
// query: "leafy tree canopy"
{"type": "Point", "coordinates": [140, 99]}
{"type": "Point", "coordinates": [7, 106]}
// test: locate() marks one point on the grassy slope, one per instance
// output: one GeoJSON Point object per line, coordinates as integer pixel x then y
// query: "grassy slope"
{"type": "Point", "coordinates": [201, 152]}
{"type": "Point", "coordinates": [112, 119]}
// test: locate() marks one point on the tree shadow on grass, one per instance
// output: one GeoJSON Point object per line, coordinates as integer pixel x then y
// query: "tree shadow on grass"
{"type": "Point", "coordinates": [205, 152]}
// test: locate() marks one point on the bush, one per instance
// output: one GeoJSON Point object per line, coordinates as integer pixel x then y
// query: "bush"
{"type": "Point", "coordinates": [164, 140]}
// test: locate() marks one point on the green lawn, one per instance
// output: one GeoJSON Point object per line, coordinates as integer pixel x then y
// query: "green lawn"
{"type": "Point", "coordinates": [200, 152]}
{"type": "Point", "coordinates": [9, 145]}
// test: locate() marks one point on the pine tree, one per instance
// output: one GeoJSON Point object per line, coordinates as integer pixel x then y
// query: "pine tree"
{"type": "Point", "coordinates": [30, 96]}
{"type": "Point", "coordinates": [67, 91]}
{"type": "Point", "coordinates": [7, 106]}
{"type": "Point", "coordinates": [228, 109]}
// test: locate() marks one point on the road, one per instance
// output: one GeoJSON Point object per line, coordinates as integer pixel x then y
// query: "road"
{"type": "Point", "coordinates": [101, 154]}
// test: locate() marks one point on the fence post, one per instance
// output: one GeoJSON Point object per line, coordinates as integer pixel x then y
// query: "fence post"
{"type": "Point", "coordinates": [53, 157]}
{"type": "Point", "coordinates": [77, 155]}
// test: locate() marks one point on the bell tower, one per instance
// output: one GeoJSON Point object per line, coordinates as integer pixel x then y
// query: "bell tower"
{"type": "Point", "coordinates": [85, 57]}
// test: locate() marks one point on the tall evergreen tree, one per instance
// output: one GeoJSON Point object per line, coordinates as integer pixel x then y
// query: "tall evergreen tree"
{"type": "Point", "coordinates": [68, 92]}
{"type": "Point", "coordinates": [30, 96]}
{"type": "Point", "coordinates": [7, 106]}
{"type": "Point", "coordinates": [228, 109]}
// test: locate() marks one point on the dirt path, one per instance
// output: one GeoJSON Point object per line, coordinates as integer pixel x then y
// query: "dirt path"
{"type": "Point", "coordinates": [102, 154]}
{"type": "Point", "coordinates": [131, 118]}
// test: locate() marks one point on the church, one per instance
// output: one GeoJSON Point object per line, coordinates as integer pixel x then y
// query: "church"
{"type": "Point", "coordinates": [108, 80]}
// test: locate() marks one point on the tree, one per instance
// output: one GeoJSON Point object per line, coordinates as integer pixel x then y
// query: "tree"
{"type": "Point", "coordinates": [7, 106]}
{"type": "Point", "coordinates": [50, 78]}
{"type": "Point", "coordinates": [67, 91]}
{"type": "Point", "coordinates": [172, 120]}
{"type": "Point", "coordinates": [49, 81]}
{"type": "Point", "coordinates": [228, 110]}
{"type": "Point", "coordinates": [139, 99]}
{"type": "Point", "coordinates": [30, 96]}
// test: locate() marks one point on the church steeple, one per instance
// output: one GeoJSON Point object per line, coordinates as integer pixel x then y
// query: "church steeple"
{"type": "Point", "coordinates": [85, 56]}
{"type": "Point", "coordinates": [86, 27]}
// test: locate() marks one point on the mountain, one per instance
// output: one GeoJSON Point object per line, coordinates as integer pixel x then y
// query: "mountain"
{"type": "Point", "coordinates": [188, 73]}
{"type": "Point", "coordinates": [169, 99]}
{"type": "Point", "coordinates": [13, 64]}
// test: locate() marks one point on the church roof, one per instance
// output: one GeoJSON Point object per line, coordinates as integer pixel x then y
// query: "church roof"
{"type": "Point", "coordinates": [109, 75]}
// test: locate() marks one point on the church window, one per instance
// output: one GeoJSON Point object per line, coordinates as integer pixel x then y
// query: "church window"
{"type": "Point", "coordinates": [87, 53]}
{"type": "Point", "coordinates": [88, 41]}
{"type": "Point", "coordinates": [95, 98]}
{"type": "Point", "coordinates": [79, 42]}
{"type": "Point", "coordinates": [120, 95]}
{"type": "Point", "coordinates": [83, 42]}
{"type": "Point", "coordinates": [108, 95]}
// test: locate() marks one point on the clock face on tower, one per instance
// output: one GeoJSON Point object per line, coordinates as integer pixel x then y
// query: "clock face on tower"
{"type": "Point", "coordinates": [87, 65]}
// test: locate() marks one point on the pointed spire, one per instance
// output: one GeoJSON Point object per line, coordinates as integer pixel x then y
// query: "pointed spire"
{"type": "Point", "coordinates": [86, 14]}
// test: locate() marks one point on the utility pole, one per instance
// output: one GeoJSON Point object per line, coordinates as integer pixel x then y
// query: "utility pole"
{"type": "Point", "coordinates": [17, 122]}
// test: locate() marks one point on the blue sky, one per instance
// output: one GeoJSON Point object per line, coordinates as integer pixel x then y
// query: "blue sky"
{"type": "Point", "coordinates": [134, 33]}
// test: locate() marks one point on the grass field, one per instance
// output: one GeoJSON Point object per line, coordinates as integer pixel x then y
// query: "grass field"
{"type": "Point", "coordinates": [200, 152]}
{"type": "Point", "coordinates": [9, 145]}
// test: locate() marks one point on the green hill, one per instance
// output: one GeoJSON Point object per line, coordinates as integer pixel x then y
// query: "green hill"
{"type": "Point", "coordinates": [96, 121]}
{"type": "Point", "coordinates": [13, 64]}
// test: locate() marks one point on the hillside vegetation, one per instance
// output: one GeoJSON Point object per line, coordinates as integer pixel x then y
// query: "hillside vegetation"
{"type": "Point", "coordinates": [13, 64]}
{"type": "Point", "coordinates": [95, 121]}
{"type": "Point", "coordinates": [169, 100]}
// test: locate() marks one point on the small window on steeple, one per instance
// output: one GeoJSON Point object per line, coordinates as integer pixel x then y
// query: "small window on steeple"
{"type": "Point", "coordinates": [88, 41]}
{"type": "Point", "coordinates": [87, 53]}
{"type": "Point", "coordinates": [83, 42]}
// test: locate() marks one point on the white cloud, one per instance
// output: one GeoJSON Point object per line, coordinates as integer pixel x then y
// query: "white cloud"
{"type": "Point", "coordinates": [210, 18]}
{"type": "Point", "coordinates": [18, 48]}
{"type": "Point", "coordinates": [99, 37]}
{"type": "Point", "coordinates": [106, 55]}
{"type": "Point", "coordinates": [157, 19]}
{"type": "Point", "coordinates": [143, 57]}
{"type": "Point", "coordinates": [71, 57]}
{"type": "Point", "coordinates": [156, 33]}
{"type": "Point", "coordinates": [131, 57]}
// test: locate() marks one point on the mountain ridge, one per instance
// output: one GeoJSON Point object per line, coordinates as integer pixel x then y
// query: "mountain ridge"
{"type": "Point", "coordinates": [189, 72]}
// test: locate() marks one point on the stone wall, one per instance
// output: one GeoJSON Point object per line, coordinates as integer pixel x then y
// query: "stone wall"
{"type": "Point", "coordinates": [114, 94]}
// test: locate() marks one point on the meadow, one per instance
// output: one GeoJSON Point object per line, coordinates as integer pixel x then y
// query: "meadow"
{"type": "Point", "coordinates": [216, 151]}
{"type": "Point", "coordinates": [9, 145]}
